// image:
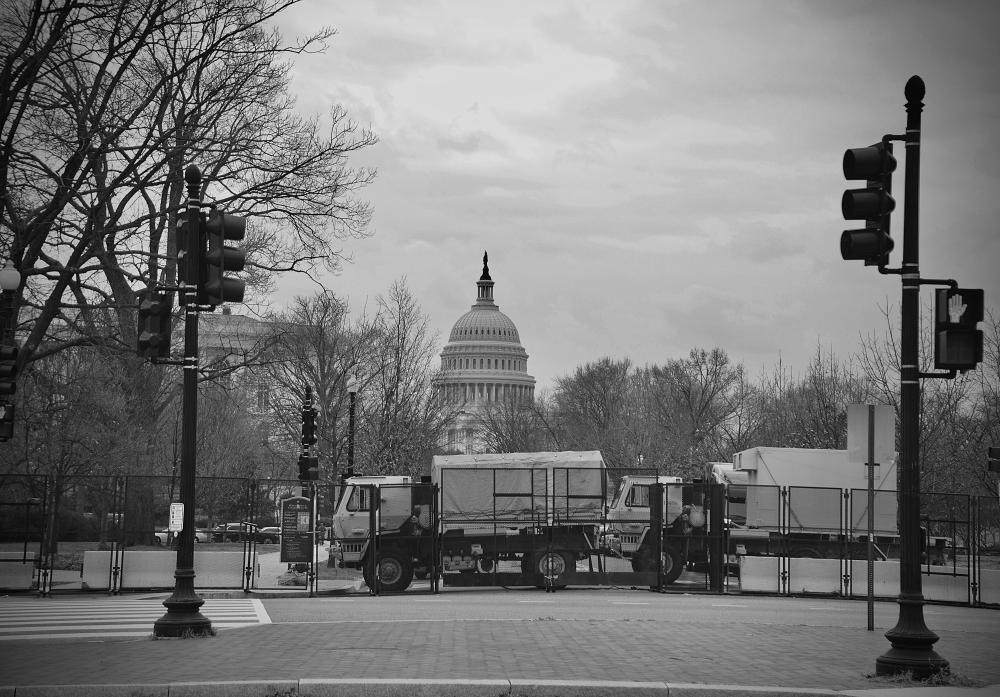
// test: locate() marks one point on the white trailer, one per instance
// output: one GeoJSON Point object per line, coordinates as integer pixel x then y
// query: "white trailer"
{"type": "Point", "coordinates": [814, 491]}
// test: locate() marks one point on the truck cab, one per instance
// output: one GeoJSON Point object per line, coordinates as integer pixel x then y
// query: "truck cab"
{"type": "Point", "coordinates": [629, 512]}
{"type": "Point", "coordinates": [402, 515]}
{"type": "Point", "coordinates": [352, 520]}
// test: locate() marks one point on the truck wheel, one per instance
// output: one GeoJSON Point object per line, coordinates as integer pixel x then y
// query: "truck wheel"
{"type": "Point", "coordinates": [806, 553]}
{"type": "Point", "coordinates": [645, 560]}
{"type": "Point", "coordinates": [552, 564]}
{"type": "Point", "coordinates": [395, 572]}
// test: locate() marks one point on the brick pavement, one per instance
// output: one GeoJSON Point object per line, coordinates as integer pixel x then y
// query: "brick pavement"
{"type": "Point", "coordinates": [540, 649]}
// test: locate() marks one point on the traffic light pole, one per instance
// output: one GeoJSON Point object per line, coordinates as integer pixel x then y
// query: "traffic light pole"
{"type": "Point", "coordinates": [911, 640]}
{"type": "Point", "coordinates": [183, 618]}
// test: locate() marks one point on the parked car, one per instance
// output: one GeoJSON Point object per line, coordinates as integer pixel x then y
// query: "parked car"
{"type": "Point", "coordinates": [228, 532]}
{"type": "Point", "coordinates": [160, 537]}
{"type": "Point", "coordinates": [270, 534]}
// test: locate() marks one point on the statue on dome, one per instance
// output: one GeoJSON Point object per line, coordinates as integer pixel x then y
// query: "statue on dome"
{"type": "Point", "coordinates": [486, 268]}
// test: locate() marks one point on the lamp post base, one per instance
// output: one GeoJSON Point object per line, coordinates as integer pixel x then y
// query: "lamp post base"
{"type": "Point", "coordinates": [920, 663]}
{"type": "Point", "coordinates": [911, 641]}
{"type": "Point", "coordinates": [183, 618]}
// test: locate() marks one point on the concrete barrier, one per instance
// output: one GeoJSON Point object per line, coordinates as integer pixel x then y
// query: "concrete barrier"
{"type": "Point", "coordinates": [989, 586]}
{"type": "Point", "coordinates": [17, 570]}
{"type": "Point", "coordinates": [155, 569]}
{"type": "Point", "coordinates": [813, 575]}
{"type": "Point", "coordinates": [759, 574]}
{"type": "Point", "coordinates": [762, 575]}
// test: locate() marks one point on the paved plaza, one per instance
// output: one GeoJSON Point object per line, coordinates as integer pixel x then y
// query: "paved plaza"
{"type": "Point", "coordinates": [543, 652]}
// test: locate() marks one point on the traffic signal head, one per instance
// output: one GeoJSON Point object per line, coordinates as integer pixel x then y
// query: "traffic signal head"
{"type": "Point", "coordinates": [190, 254]}
{"type": "Point", "coordinates": [6, 421]}
{"type": "Point", "coordinates": [8, 370]}
{"type": "Point", "coordinates": [872, 163]}
{"type": "Point", "coordinates": [154, 324]}
{"type": "Point", "coordinates": [958, 344]}
{"type": "Point", "coordinates": [308, 426]}
{"type": "Point", "coordinates": [993, 461]}
{"type": "Point", "coordinates": [873, 204]}
{"type": "Point", "coordinates": [308, 468]}
{"type": "Point", "coordinates": [220, 258]}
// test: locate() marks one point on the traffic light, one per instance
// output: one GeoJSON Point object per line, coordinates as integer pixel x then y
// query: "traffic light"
{"type": "Point", "coordinates": [993, 461]}
{"type": "Point", "coordinates": [190, 257]}
{"type": "Point", "coordinates": [958, 344]}
{"type": "Point", "coordinates": [308, 468]}
{"type": "Point", "coordinates": [154, 324]}
{"type": "Point", "coordinates": [873, 204]}
{"type": "Point", "coordinates": [6, 421]}
{"type": "Point", "coordinates": [308, 425]}
{"type": "Point", "coordinates": [220, 258]}
{"type": "Point", "coordinates": [8, 370]}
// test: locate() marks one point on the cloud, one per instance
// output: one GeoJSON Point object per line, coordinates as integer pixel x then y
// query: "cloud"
{"type": "Point", "coordinates": [650, 176]}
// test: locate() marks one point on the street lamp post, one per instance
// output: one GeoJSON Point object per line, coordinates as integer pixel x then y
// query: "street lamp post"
{"type": "Point", "coordinates": [352, 389]}
{"type": "Point", "coordinates": [183, 617]}
{"type": "Point", "coordinates": [911, 640]}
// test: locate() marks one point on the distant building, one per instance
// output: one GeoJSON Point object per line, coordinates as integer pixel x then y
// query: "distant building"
{"type": "Point", "coordinates": [231, 339]}
{"type": "Point", "coordinates": [483, 364]}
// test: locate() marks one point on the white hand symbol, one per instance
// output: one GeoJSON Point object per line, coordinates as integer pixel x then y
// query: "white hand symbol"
{"type": "Point", "coordinates": [956, 308]}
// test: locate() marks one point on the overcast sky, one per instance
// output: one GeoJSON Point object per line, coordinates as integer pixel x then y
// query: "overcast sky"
{"type": "Point", "coordinates": [654, 176]}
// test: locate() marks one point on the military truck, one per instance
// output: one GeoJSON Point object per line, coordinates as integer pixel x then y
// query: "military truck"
{"type": "Point", "coordinates": [540, 510]}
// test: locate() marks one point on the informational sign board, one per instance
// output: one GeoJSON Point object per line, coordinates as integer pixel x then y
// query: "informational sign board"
{"type": "Point", "coordinates": [296, 530]}
{"type": "Point", "coordinates": [857, 434]}
{"type": "Point", "coordinates": [176, 523]}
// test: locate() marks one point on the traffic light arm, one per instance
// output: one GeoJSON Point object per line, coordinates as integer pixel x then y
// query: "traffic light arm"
{"type": "Point", "coordinates": [882, 268]}
{"type": "Point", "coordinates": [950, 282]}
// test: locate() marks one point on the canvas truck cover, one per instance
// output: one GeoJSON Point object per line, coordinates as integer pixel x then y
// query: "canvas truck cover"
{"type": "Point", "coordinates": [814, 478]}
{"type": "Point", "coordinates": [515, 489]}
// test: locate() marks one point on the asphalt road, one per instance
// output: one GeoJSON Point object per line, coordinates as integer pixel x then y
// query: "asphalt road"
{"type": "Point", "coordinates": [483, 604]}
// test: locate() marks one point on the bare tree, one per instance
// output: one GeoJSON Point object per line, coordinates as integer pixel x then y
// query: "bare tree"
{"type": "Point", "coordinates": [510, 426]}
{"type": "Point", "coordinates": [950, 426]}
{"type": "Point", "coordinates": [693, 399]}
{"type": "Point", "coordinates": [591, 410]}
{"type": "Point", "coordinates": [401, 423]}
{"type": "Point", "coordinates": [317, 346]}
{"type": "Point", "coordinates": [107, 103]}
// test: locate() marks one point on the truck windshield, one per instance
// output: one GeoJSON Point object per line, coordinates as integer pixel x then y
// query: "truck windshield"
{"type": "Point", "coordinates": [360, 498]}
{"type": "Point", "coordinates": [638, 495]}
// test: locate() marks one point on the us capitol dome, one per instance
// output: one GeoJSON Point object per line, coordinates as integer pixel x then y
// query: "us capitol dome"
{"type": "Point", "coordinates": [482, 364]}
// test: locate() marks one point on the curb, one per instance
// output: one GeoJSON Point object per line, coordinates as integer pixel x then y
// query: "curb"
{"type": "Point", "coordinates": [465, 688]}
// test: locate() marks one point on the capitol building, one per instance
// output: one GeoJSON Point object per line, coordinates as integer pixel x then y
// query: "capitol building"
{"type": "Point", "coordinates": [482, 365]}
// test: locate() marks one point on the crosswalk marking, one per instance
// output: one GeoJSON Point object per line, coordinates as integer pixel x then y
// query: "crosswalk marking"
{"type": "Point", "coordinates": [48, 618]}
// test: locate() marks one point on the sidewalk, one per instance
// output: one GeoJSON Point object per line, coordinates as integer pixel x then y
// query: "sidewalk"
{"type": "Point", "coordinates": [542, 656]}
